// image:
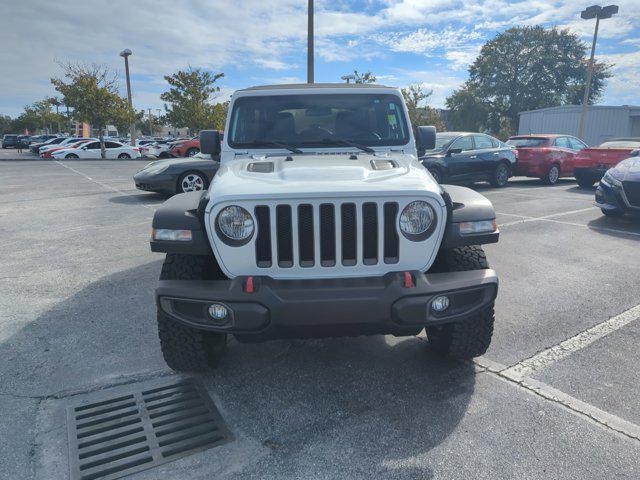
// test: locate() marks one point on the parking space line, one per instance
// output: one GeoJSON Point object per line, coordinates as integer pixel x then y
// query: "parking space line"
{"type": "Point", "coordinates": [561, 222]}
{"type": "Point", "coordinates": [545, 217]}
{"type": "Point", "coordinates": [103, 185]}
{"type": "Point", "coordinates": [563, 349]}
{"type": "Point", "coordinates": [578, 407]}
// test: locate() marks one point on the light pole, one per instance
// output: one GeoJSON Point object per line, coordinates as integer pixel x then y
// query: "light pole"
{"type": "Point", "coordinates": [310, 42]}
{"type": "Point", "coordinates": [348, 78]}
{"type": "Point", "coordinates": [599, 13]}
{"type": "Point", "coordinates": [132, 129]}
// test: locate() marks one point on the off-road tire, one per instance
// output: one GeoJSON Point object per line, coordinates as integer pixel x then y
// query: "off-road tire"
{"type": "Point", "coordinates": [471, 337]}
{"type": "Point", "coordinates": [186, 349]}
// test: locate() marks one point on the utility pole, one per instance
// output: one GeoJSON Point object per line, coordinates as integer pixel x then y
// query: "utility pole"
{"type": "Point", "coordinates": [132, 128]}
{"type": "Point", "coordinates": [310, 65]}
{"type": "Point", "coordinates": [150, 124]}
{"type": "Point", "coordinates": [599, 13]}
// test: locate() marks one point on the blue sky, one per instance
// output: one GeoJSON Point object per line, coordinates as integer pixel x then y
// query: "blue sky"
{"type": "Point", "coordinates": [430, 42]}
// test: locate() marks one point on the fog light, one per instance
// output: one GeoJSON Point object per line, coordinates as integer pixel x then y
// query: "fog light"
{"type": "Point", "coordinates": [218, 311]}
{"type": "Point", "coordinates": [440, 304]}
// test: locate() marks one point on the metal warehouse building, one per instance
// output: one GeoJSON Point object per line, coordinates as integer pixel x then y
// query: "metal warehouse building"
{"type": "Point", "coordinates": [602, 122]}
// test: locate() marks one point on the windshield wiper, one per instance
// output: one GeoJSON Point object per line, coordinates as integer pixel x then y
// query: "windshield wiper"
{"type": "Point", "coordinates": [266, 143]}
{"type": "Point", "coordinates": [349, 143]}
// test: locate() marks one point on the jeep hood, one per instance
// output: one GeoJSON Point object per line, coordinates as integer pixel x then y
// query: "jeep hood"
{"type": "Point", "coordinates": [322, 175]}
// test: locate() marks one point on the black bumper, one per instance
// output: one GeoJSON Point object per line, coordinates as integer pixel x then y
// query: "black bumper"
{"type": "Point", "coordinates": [334, 307]}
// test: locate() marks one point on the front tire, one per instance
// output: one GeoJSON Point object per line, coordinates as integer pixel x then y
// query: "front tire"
{"type": "Point", "coordinates": [124, 156]}
{"type": "Point", "coordinates": [71, 155]}
{"type": "Point", "coordinates": [187, 349]}
{"type": "Point", "coordinates": [501, 175]}
{"type": "Point", "coordinates": [470, 337]}
{"type": "Point", "coordinates": [436, 173]}
{"type": "Point", "coordinates": [192, 151]}
{"type": "Point", "coordinates": [192, 182]}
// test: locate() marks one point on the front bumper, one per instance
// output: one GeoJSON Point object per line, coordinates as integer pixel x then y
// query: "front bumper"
{"type": "Point", "coordinates": [328, 307]}
{"type": "Point", "coordinates": [162, 182]}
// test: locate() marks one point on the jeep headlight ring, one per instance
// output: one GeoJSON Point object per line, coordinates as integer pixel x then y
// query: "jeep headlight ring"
{"type": "Point", "coordinates": [418, 221]}
{"type": "Point", "coordinates": [235, 225]}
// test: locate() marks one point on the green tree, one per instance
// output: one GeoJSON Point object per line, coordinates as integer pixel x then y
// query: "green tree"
{"type": "Point", "coordinates": [92, 93]}
{"type": "Point", "coordinates": [361, 78]}
{"type": "Point", "coordinates": [419, 112]}
{"type": "Point", "coordinates": [6, 124]}
{"type": "Point", "coordinates": [189, 99]}
{"type": "Point", "coordinates": [524, 68]}
{"type": "Point", "coordinates": [220, 111]}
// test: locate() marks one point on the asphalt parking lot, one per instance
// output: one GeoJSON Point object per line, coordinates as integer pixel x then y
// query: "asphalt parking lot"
{"type": "Point", "coordinates": [556, 396]}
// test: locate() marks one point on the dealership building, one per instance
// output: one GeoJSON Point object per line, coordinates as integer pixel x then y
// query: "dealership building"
{"type": "Point", "coordinates": [602, 122]}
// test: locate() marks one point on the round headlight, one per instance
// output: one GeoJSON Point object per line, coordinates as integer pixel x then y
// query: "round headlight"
{"type": "Point", "coordinates": [417, 219]}
{"type": "Point", "coordinates": [235, 223]}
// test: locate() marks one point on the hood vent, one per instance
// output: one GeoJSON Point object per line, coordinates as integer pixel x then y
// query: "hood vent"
{"type": "Point", "coordinates": [383, 164]}
{"type": "Point", "coordinates": [260, 167]}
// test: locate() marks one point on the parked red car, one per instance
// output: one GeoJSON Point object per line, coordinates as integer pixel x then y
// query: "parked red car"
{"type": "Point", "coordinates": [186, 148]}
{"type": "Point", "coordinates": [592, 163]}
{"type": "Point", "coordinates": [547, 157]}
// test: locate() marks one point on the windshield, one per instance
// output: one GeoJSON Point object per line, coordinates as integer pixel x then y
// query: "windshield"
{"type": "Point", "coordinates": [621, 144]}
{"type": "Point", "coordinates": [318, 120]}
{"type": "Point", "coordinates": [527, 142]}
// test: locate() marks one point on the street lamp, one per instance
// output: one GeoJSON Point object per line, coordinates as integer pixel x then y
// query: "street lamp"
{"type": "Point", "coordinates": [348, 78]}
{"type": "Point", "coordinates": [310, 66]}
{"type": "Point", "coordinates": [599, 13]}
{"type": "Point", "coordinates": [132, 129]}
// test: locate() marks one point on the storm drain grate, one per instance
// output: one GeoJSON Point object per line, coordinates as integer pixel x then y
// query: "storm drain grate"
{"type": "Point", "coordinates": [142, 428]}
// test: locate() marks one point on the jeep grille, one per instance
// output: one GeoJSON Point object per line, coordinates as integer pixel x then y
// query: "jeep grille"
{"type": "Point", "coordinates": [297, 237]}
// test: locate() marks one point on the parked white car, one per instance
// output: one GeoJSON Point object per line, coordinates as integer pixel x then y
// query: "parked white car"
{"type": "Point", "coordinates": [92, 150]}
{"type": "Point", "coordinates": [65, 143]}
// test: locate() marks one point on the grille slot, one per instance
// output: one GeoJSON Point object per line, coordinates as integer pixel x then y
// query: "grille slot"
{"type": "Point", "coordinates": [305, 235]}
{"type": "Point", "coordinates": [102, 446]}
{"type": "Point", "coordinates": [369, 233]}
{"type": "Point", "coordinates": [632, 192]}
{"type": "Point", "coordinates": [349, 234]}
{"type": "Point", "coordinates": [391, 240]}
{"type": "Point", "coordinates": [285, 236]}
{"type": "Point", "coordinates": [263, 239]}
{"type": "Point", "coordinates": [327, 235]}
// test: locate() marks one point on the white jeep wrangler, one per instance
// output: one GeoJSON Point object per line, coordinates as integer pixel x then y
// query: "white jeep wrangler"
{"type": "Point", "coordinates": [321, 222]}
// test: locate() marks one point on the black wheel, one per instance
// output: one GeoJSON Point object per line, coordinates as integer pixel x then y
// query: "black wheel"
{"type": "Point", "coordinates": [186, 349]}
{"type": "Point", "coordinates": [124, 155]}
{"type": "Point", "coordinates": [192, 151]}
{"type": "Point", "coordinates": [584, 182]}
{"type": "Point", "coordinates": [71, 155]}
{"type": "Point", "coordinates": [552, 175]}
{"type": "Point", "coordinates": [436, 173]}
{"type": "Point", "coordinates": [192, 182]}
{"type": "Point", "coordinates": [612, 213]}
{"type": "Point", "coordinates": [471, 337]}
{"type": "Point", "coordinates": [500, 175]}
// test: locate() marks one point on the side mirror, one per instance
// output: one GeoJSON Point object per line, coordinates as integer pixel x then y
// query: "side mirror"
{"type": "Point", "coordinates": [210, 142]}
{"type": "Point", "coordinates": [425, 139]}
{"type": "Point", "coordinates": [451, 151]}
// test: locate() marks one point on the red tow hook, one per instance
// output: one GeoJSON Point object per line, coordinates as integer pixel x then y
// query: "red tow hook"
{"type": "Point", "coordinates": [248, 287]}
{"type": "Point", "coordinates": [408, 280]}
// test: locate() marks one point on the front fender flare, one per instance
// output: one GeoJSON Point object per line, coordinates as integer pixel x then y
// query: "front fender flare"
{"type": "Point", "coordinates": [466, 205]}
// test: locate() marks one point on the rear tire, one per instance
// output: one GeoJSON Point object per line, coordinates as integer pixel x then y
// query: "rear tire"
{"type": "Point", "coordinates": [584, 182]}
{"type": "Point", "coordinates": [470, 337]}
{"type": "Point", "coordinates": [124, 156]}
{"type": "Point", "coordinates": [187, 349]}
{"type": "Point", "coordinates": [553, 175]}
{"type": "Point", "coordinates": [192, 151]}
{"type": "Point", "coordinates": [501, 175]}
{"type": "Point", "coordinates": [71, 155]}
